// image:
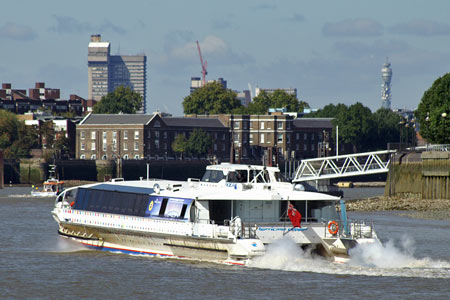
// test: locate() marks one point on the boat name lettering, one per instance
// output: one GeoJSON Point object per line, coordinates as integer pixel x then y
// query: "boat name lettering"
{"type": "Point", "coordinates": [230, 184]}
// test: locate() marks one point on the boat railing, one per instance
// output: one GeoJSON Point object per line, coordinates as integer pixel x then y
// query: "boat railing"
{"type": "Point", "coordinates": [356, 229]}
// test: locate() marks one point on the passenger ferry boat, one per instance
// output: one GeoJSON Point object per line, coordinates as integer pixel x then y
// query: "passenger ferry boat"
{"type": "Point", "coordinates": [229, 216]}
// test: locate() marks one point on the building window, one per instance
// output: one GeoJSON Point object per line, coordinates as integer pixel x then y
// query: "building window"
{"type": "Point", "coordinates": [114, 135]}
{"type": "Point", "coordinates": [262, 125]}
{"type": "Point", "coordinates": [104, 157]}
{"type": "Point", "coordinates": [251, 138]}
{"type": "Point", "coordinates": [136, 135]}
{"type": "Point", "coordinates": [104, 135]}
{"type": "Point", "coordinates": [320, 137]}
{"type": "Point", "coordinates": [305, 136]}
{"type": "Point", "coordinates": [244, 125]}
{"type": "Point", "coordinates": [312, 147]}
{"type": "Point", "coordinates": [157, 124]}
{"type": "Point", "coordinates": [165, 146]}
{"type": "Point", "coordinates": [136, 146]}
{"type": "Point", "coordinates": [288, 138]}
{"type": "Point", "coordinates": [92, 135]}
{"type": "Point", "coordinates": [125, 156]}
{"type": "Point", "coordinates": [156, 144]}
{"type": "Point", "coordinates": [93, 156]}
{"type": "Point", "coordinates": [236, 124]}
{"type": "Point", "coordinates": [251, 125]}
{"type": "Point", "coordinates": [312, 136]}
{"type": "Point", "coordinates": [280, 138]}
{"type": "Point", "coordinates": [223, 137]}
{"type": "Point", "coordinates": [82, 146]}
{"type": "Point", "coordinates": [82, 135]}
{"type": "Point", "coordinates": [125, 146]}
{"type": "Point", "coordinates": [305, 147]}
{"type": "Point", "coordinates": [280, 125]}
{"type": "Point", "coordinates": [104, 145]}
{"type": "Point", "coordinates": [93, 146]}
{"type": "Point", "coordinates": [125, 135]}
{"type": "Point", "coordinates": [297, 136]}
{"type": "Point", "coordinates": [82, 156]}
{"type": "Point", "coordinates": [215, 147]}
{"type": "Point", "coordinates": [288, 125]}
{"type": "Point", "coordinates": [236, 137]}
{"type": "Point", "coordinates": [215, 135]}
{"type": "Point", "coordinates": [262, 138]}
{"type": "Point", "coordinates": [165, 135]}
{"type": "Point", "coordinates": [136, 156]}
{"type": "Point", "coordinates": [297, 147]}
{"type": "Point", "coordinates": [157, 134]}
{"type": "Point", "coordinates": [223, 147]}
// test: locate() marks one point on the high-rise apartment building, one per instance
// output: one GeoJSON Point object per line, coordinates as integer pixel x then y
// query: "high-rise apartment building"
{"type": "Point", "coordinates": [106, 72]}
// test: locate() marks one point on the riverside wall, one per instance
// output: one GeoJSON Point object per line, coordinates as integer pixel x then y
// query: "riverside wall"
{"type": "Point", "coordinates": [423, 175]}
{"type": "Point", "coordinates": [36, 171]}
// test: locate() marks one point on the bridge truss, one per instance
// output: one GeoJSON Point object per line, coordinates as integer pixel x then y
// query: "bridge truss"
{"type": "Point", "coordinates": [343, 166]}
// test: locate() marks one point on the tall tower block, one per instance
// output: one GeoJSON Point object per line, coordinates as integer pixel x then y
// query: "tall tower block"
{"type": "Point", "coordinates": [386, 76]}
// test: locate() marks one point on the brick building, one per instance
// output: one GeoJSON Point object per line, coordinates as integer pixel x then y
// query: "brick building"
{"type": "Point", "coordinates": [139, 136]}
{"type": "Point", "coordinates": [237, 137]}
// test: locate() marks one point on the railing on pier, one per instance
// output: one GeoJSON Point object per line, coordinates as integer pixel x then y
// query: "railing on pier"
{"type": "Point", "coordinates": [343, 166]}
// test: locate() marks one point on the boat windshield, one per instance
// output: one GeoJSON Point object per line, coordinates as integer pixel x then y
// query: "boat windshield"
{"type": "Point", "coordinates": [213, 176]}
{"type": "Point", "coordinates": [280, 177]}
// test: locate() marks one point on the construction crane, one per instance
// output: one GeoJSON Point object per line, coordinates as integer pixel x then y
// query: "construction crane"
{"type": "Point", "coordinates": [204, 64]}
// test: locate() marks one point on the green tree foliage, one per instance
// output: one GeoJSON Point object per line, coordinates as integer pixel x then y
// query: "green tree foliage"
{"type": "Point", "coordinates": [180, 144]}
{"type": "Point", "coordinates": [211, 99]}
{"type": "Point", "coordinates": [435, 101]}
{"type": "Point", "coordinates": [365, 130]}
{"type": "Point", "coordinates": [278, 99]}
{"type": "Point", "coordinates": [62, 146]}
{"type": "Point", "coordinates": [199, 142]}
{"type": "Point", "coordinates": [122, 100]}
{"type": "Point", "coordinates": [16, 139]}
{"type": "Point", "coordinates": [48, 134]}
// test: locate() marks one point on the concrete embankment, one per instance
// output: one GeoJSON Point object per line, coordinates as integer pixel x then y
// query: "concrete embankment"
{"type": "Point", "coordinates": [437, 209]}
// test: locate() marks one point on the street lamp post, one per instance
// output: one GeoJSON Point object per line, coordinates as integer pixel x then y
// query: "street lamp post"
{"type": "Point", "coordinates": [444, 116]}
{"type": "Point", "coordinates": [401, 123]}
{"type": "Point", "coordinates": [427, 120]}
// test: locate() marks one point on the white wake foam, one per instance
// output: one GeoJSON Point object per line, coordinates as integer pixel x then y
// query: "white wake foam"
{"type": "Point", "coordinates": [366, 259]}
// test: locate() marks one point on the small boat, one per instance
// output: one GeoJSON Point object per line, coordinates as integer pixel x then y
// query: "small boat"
{"type": "Point", "coordinates": [228, 216]}
{"type": "Point", "coordinates": [52, 187]}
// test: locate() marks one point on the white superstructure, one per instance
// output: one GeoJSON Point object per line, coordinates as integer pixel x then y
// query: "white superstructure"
{"type": "Point", "coordinates": [229, 215]}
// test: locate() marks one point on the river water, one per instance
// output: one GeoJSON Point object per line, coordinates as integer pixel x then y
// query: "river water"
{"type": "Point", "coordinates": [35, 263]}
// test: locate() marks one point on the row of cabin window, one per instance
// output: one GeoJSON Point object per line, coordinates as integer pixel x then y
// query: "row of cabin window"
{"type": "Point", "coordinates": [112, 202]}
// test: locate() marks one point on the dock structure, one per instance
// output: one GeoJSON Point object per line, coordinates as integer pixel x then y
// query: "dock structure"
{"type": "Point", "coordinates": [343, 166]}
{"type": "Point", "coordinates": [2, 170]}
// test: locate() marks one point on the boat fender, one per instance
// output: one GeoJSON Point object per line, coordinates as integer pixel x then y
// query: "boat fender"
{"type": "Point", "coordinates": [72, 203]}
{"type": "Point", "coordinates": [333, 227]}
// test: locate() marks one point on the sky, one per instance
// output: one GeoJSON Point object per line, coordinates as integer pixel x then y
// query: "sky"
{"type": "Point", "coordinates": [331, 51]}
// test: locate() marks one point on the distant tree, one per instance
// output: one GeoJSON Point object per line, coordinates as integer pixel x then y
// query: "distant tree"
{"type": "Point", "coordinates": [199, 142]}
{"type": "Point", "coordinates": [16, 139]}
{"type": "Point", "coordinates": [211, 99]}
{"type": "Point", "coordinates": [356, 124]}
{"type": "Point", "coordinates": [387, 128]}
{"type": "Point", "coordinates": [122, 100]}
{"type": "Point", "coordinates": [435, 101]}
{"type": "Point", "coordinates": [180, 144]}
{"type": "Point", "coordinates": [278, 99]}
{"type": "Point", "coordinates": [62, 146]}
{"type": "Point", "coordinates": [48, 134]}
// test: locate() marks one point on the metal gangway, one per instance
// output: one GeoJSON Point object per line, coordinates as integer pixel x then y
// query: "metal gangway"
{"type": "Point", "coordinates": [343, 166]}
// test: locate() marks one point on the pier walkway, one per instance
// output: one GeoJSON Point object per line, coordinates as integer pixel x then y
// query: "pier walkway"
{"type": "Point", "coordinates": [343, 166]}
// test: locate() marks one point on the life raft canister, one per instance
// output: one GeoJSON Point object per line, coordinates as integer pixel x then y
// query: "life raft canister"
{"type": "Point", "coordinates": [333, 227]}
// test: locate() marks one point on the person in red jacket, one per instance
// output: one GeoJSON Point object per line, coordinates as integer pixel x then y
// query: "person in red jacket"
{"type": "Point", "coordinates": [295, 216]}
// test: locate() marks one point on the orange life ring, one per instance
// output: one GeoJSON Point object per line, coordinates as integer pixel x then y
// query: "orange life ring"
{"type": "Point", "coordinates": [333, 227]}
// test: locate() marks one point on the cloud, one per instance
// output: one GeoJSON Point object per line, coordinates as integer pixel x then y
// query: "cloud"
{"type": "Point", "coordinates": [421, 28]}
{"type": "Point", "coordinates": [69, 25]}
{"type": "Point", "coordinates": [297, 18]}
{"type": "Point", "coordinates": [17, 32]}
{"type": "Point", "coordinates": [355, 27]}
{"type": "Point", "coordinates": [181, 52]}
